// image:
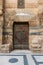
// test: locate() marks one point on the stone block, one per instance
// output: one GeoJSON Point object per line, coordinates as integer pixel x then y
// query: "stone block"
{"type": "Point", "coordinates": [31, 5]}
{"type": "Point", "coordinates": [34, 31]}
{"type": "Point", "coordinates": [1, 4]}
{"type": "Point", "coordinates": [1, 12]}
{"type": "Point", "coordinates": [40, 1]}
{"type": "Point", "coordinates": [35, 38]}
{"type": "Point", "coordinates": [0, 39]}
{"type": "Point", "coordinates": [6, 48]}
{"type": "Point", "coordinates": [1, 21]}
{"type": "Point", "coordinates": [11, 4]}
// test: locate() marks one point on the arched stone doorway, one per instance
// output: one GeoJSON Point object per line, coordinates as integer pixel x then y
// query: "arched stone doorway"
{"type": "Point", "coordinates": [21, 35]}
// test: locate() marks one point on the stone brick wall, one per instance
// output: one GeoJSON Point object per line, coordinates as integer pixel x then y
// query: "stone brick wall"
{"type": "Point", "coordinates": [34, 9]}
{"type": "Point", "coordinates": [1, 22]}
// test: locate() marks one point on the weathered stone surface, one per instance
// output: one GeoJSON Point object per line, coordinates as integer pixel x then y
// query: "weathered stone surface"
{"type": "Point", "coordinates": [1, 29]}
{"type": "Point", "coordinates": [1, 21]}
{"type": "Point", "coordinates": [0, 12]}
{"type": "Point", "coordinates": [1, 39]}
{"type": "Point", "coordinates": [40, 1]}
{"type": "Point", "coordinates": [36, 42]}
{"type": "Point", "coordinates": [1, 4]}
{"type": "Point", "coordinates": [6, 48]}
{"type": "Point", "coordinates": [11, 4]}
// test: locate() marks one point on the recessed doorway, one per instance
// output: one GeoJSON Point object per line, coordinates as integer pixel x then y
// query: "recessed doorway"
{"type": "Point", "coordinates": [20, 35]}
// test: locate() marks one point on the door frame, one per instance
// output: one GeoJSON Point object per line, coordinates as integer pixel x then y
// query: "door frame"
{"type": "Point", "coordinates": [20, 22]}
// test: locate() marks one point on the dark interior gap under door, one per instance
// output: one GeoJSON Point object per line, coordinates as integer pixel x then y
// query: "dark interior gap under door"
{"type": "Point", "coordinates": [21, 35]}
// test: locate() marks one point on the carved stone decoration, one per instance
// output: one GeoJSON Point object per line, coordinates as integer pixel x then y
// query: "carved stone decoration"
{"type": "Point", "coordinates": [41, 18]}
{"type": "Point", "coordinates": [21, 4]}
{"type": "Point", "coordinates": [9, 17]}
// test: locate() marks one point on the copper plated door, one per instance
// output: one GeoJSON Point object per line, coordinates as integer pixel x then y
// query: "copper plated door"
{"type": "Point", "coordinates": [21, 35]}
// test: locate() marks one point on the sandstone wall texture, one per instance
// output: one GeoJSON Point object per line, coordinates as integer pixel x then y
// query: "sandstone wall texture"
{"type": "Point", "coordinates": [34, 9]}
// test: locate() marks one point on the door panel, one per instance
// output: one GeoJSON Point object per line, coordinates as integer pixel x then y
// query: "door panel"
{"type": "Point", "coordinates": [21, 36]}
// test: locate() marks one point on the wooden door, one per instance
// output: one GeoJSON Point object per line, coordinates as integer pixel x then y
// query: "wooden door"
{"type": "Point", "coordinates": [21, 35]}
